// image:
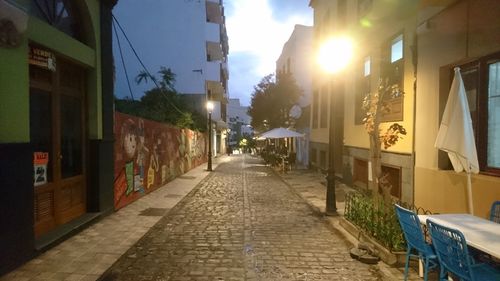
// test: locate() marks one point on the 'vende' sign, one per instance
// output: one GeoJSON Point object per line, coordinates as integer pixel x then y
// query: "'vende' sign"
{"type": "Point", "coordinates": [42, 58]}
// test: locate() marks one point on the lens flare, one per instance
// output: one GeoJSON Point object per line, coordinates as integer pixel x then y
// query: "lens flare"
{"type": "Point", "coordinates": [335, 54]}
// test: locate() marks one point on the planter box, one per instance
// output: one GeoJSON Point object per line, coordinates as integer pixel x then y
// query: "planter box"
{"type": "Point", "coordinates": [395, 259]}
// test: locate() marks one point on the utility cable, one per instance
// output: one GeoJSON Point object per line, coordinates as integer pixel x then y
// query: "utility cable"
{"type": "Point", "coordinates": [123, 61]}
{"type": "Point", "coordinates": [144, 67]}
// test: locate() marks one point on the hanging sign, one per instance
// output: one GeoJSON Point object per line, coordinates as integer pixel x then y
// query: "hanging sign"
{"type": "Point", "coordinates": [40, 162]}
{"type": "Point", "coordinates": [42, 58]}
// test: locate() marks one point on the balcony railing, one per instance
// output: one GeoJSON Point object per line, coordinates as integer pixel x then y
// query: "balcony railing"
{"type": "Point", "coordinates": [214, 12]}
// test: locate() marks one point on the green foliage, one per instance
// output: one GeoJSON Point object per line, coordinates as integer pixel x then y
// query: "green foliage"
{"type": "Point", "coordinates": [247, 140]}
{"type": "Point", "coordinates": [162, 103]}
{"type": "Point", "coordinates": [376, 219]}
{"type": "Point", "coordinates": [271, 101]}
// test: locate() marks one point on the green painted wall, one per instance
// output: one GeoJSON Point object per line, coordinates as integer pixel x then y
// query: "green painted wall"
{"type": "Point", "coordinates": [14, 76]}
{"type": "Point", "coordinates": [14, 103]}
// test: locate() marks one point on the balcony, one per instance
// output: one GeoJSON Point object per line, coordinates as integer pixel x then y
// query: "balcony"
{"type": "Point", "coordinates": [224, 72]}
{"type": "Point", "coordinates": [213, 33]}
{"type": "Point", "coordinates": [214, 51]}
{"type": "Point", "coordinates": [214, 12]}
{"type": "Point", "coordinates": [215, 91]}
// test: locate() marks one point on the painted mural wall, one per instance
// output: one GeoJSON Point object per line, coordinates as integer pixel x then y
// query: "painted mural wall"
{"type": "Point", "coordinates": [149, 154]}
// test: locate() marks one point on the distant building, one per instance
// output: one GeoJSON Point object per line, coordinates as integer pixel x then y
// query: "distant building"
{"type": "Point", "coordinates": [192, 35]}
{"type": "Point", "coordinates": [296, 59]}
{"type": "Point", "coordinates": [238, 121]}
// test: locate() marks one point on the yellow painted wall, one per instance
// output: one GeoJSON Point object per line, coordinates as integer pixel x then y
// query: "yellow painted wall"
{"type": "Point", "coordinates": [369, 43]}
{"type": "Point", "coordinates": [445, 191]}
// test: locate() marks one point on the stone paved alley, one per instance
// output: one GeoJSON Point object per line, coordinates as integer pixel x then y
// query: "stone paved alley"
{"type": "Point", "coordinates": [241, 223]}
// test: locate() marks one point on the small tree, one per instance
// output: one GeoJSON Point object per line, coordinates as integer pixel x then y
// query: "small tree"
{"type": "Point", "coordinates": [375, 104]}
{"type": "Point", "coordinates": [271, 101]}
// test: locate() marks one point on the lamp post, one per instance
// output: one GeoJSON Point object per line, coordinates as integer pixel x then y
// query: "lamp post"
{"type": "Point", "coordinates": [334, 55]}
{"type": "Point", "coordinates": [210, 107]}
{"type": "Point", "coordinates": [228, 147]}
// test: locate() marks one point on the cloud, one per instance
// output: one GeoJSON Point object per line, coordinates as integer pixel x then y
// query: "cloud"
{"type": "Point", "coordinates": [242, 76]}
{"type": "Point", "coordinates": [257, 30]}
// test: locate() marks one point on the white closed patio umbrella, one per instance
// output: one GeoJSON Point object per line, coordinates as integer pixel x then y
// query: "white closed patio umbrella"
{"type": "Point", "coordinates": [456, 136]}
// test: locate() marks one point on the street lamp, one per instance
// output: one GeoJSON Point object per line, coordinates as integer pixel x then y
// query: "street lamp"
{"type": "Point", "coordinates": [228, 145]}
{"type": "Point", "coordinates": [334, 56]}
{"type": "Point", "coordinates": [210, 107]}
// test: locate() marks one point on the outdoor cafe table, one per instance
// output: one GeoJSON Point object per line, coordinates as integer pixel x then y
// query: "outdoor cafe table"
{"type": "Point", "coordinates": [479, 233]}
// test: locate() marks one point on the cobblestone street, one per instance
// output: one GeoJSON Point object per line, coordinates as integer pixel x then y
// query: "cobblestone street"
{"type": "Point", "coordinates": [241, 223]}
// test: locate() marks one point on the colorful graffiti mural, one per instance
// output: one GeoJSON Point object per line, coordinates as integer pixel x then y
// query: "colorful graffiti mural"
{"type": "Point", "coordinates": [149, 154]}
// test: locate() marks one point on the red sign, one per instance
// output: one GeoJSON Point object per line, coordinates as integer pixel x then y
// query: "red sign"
{"type": "Point", "coordinates": [40, 158]}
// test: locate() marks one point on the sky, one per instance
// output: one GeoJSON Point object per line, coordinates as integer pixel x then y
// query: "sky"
{"type": "Point", "coordinates": [257, 31]}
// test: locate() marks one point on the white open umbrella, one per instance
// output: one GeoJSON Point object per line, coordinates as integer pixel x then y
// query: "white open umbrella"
{"type": "Point", "coordinates": [278, 133]}
{"type": "Point", "coordinates": [456, 136]}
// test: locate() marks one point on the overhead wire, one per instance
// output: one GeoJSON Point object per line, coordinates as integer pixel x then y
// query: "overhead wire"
{"type": "Point", "coordinates": [123, 61]}
{"type": "Point", "coordinates": [144, 66]}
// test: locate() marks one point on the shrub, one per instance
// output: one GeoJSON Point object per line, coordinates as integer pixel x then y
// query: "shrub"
{"type": "Point", "coordinates": [376, 219]}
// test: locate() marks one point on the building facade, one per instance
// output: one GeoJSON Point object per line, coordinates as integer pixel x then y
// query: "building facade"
{"type": "Point", "coordinates": [56, 106]}
{"type": "Point", "coordinates": [416, 45]}
{"type": "Point", "coordinates": [238, 122]}
{"type": "Point", "coordinates": [296, 59]}
{"type": "Point", "coordinates": [193, 39]}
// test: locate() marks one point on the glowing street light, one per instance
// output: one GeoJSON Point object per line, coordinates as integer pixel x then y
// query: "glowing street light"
{"type": "Point", "coordinates": [210, 108]}
{"type": "Point", "coordinates": [334, 56]}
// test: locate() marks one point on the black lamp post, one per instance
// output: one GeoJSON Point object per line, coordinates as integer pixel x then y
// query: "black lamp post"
{"type": "Point", "coordinates": [331, 201]}
{"type": "Point", "coordinates": [210, 107]}
{"type": "Point", "coordinates": [334, 56]}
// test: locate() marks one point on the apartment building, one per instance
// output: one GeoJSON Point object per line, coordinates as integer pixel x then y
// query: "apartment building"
{"type": "Point", "coordinates": [296, 59]}
{"type": "Point", "coordinates": [238, 121]}
{"type": "Point", "coordinates": [193, 39]}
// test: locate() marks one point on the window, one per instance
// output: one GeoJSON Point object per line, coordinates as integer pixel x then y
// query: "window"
{"type": "Point", "coordinates": [367, 67]}
{"type": "Point", "coordinates": [360, 173]}
{"type": "Point", "coordinates": [363, 87]}
{"type": "Point", "coordinates": [364, 6]}
{"type": "Point", "coordinates": [315, 110]}
{"type": "Point", "coordinates": [322, 159]}
{"type": "Point", "coordinates": [314, 157]}
{"type": "Point", "coordinates": [341, 13]}
{"type": "Point", "coordinates": [59, 13]}
{"type": "Point", "coordinates": [392, 70]}
{"type": "Point", "coordinates": [392, 177]}
{"type": "Point", "coordinates": [493, 151]}
{"type": "Point", "coordinates": [482, 85]}
{"type": "Point", "coordinates": [397, 48]}
{"type": "Point", "coordinates": [323, 122]}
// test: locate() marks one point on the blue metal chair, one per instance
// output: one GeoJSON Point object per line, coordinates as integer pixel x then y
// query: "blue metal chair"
{"type": "Point", "coordinates": [453, 255]}
{"type": "Point", "coordinates": [415, 240]}
{"type": "Point", "coordinates": [495, 212]}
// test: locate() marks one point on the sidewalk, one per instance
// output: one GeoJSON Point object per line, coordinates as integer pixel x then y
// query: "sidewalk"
{"type": "Point", "coordinates": [88, 254]}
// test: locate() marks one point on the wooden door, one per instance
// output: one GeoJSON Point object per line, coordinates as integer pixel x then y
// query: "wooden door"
{"type": "Point", "coordinates": [57, 127]}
